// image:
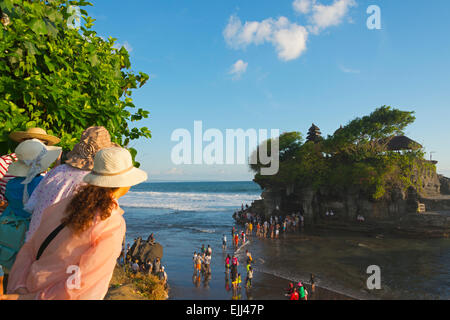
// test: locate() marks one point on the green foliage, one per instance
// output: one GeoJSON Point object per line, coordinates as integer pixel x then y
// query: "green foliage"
{"type": "Point", "coordinates": [354, 156]}
{"type": "Point", "coordinates": [289, 144]}
{"type": "Point", "coordinates": [63, 79]}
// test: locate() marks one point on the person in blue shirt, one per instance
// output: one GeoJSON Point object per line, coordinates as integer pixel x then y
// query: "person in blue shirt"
{"type": "Point", "coordinates": [34, 157]}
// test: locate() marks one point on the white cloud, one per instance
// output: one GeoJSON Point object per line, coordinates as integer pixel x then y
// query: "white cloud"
{"type": "Point", "coordinates": [327, 16]}
{"type": "Point", "coordinates": [239, 68]}
{"type": "Point", "coordinates": [289, 39]}
{"type": "Point", "coordinates": [175, 171]}
{"type": "Point", "coordinates": [126, 44]}
{"type": "Point", "coordinates": [303, 6]}
{"type": "Point", "coordinates": [348, 70]}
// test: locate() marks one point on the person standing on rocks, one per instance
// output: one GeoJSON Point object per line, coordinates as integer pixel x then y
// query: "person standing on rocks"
{"type": "Point", "coordinates": [151, 239]}
{"type": "Point", "coordinates": [156, 266]}
{"type": "Point", "coordinates": [162, 276]}
{"type": "Point", "coordinates": [149, 267]}
{"type": "Point", "coordinates": [135, 267]}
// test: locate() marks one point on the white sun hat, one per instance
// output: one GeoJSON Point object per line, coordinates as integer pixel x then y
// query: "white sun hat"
{"type": "Point", "coordinates": [113, 168]}
{"type": "Point", "coordinates": [33, 158]}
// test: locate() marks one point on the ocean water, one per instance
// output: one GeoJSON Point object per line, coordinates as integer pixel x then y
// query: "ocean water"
{"type": "Point", "coordinates": [185, 215]}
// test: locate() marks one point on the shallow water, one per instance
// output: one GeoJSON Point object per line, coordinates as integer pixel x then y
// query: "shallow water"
{"type": "Point", "coordinates": [183, 216]}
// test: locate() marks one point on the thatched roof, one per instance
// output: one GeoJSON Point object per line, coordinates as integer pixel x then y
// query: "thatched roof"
{"type": "Point", "coordinates": [402, 143]}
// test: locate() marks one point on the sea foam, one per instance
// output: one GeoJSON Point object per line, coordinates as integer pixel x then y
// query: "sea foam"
{"type": "Point", "coordinates": [186, 201]}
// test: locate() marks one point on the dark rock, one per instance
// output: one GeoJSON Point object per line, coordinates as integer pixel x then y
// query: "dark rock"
{"type": "Point", "coordinates": [145, 250]}
{"type": "Point", "coordinates": [396, 211]}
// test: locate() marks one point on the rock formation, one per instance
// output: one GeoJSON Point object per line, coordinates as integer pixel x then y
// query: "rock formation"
{"type": "Point", "coordinates": [398, 210]}
{"type": "Point", "coordinates": [145, 250]}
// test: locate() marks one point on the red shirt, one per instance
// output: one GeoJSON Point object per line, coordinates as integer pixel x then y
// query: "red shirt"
{"type": "Point", "coordinates": [5, 161]}
{"type": "Point", "coordinates": [295, 296]}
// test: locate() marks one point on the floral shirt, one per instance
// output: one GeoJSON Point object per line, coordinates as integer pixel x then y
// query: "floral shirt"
{"type": "Point", "coordinates": [58, 184]}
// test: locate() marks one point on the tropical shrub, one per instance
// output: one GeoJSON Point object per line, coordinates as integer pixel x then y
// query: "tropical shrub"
{"type": "Point", "coordinates": [61, 78]}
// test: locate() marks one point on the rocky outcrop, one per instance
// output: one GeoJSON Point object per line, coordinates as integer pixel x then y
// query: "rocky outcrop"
{"type": "Point", "coordinates": [397, 211]}
{"type": "Point", "coordinates": [144, 251]}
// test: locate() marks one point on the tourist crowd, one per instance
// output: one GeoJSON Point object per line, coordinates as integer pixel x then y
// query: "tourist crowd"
{"type": "Point", "coordinates": [263, 227]}
{"type": "Point", "coordinates": [267, 227]}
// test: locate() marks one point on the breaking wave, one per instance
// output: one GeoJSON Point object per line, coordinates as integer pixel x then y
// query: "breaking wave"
{"type": "Point", "coordinates": [187, 201]}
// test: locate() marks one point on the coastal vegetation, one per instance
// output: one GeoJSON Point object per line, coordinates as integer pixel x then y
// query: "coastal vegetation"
{"type": "Point", "coordinates": [125, 285]}
{"type": "Point", "coordinates": [370, 154]}
{"type": "Point", "coordinates": [63, 77]}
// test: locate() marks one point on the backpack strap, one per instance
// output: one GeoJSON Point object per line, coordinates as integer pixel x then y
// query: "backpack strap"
{"type": "Point", "coordinates": [49, 239]}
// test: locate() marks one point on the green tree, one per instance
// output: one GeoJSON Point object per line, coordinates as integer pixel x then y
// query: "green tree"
{"type": "Point", "coordinates": [61, 78]}
{"type": "Point", "coordinates": [362, 137]}
{"type": "Point", "coordinates": [354, 156]}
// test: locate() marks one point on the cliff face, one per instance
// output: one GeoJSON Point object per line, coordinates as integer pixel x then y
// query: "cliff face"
{"type": "Point", "coordinates": [345, 205]}
{"type": "Point", "coordinates": [398, 207]}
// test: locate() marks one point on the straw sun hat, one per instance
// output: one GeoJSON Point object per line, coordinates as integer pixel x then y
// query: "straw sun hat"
{"type": "Point", "coordinates": [92, 140]}
{"type": "Point", "coordinates": [34, 133]}
{"type": "Point", "coordinates": [33, 157]}
{"type": "Point", "coordinates": [113, 168]}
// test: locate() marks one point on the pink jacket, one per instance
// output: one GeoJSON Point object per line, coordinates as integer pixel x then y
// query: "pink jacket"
{"type": "Point", "coordinates": [72, 266]}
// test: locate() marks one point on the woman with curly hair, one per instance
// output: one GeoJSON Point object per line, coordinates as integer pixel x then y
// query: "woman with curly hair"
{"type": "Point", "coordinates": [73, 253]}
{"type": "Point", "coordinates": [62, 181]}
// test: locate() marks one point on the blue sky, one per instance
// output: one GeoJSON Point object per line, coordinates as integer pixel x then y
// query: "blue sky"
{"type": "Point", "coordinates": [295, 62]}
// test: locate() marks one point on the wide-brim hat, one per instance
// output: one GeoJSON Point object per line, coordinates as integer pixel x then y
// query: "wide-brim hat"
{"type": "Point", "coordinates": [113, 168]}
{"type": "Point", "coordinates": [92, 140]}
{"type": "Point", "coordinates": [28, 151]}
{"type": "Point", "coordinates": [34, 133]}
